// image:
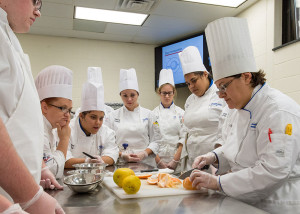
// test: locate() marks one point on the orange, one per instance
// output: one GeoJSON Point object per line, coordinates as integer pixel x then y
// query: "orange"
{"type": "Point", "coordinates": [187, 184]}
{"type": "Point", "coordinates": [152, 181]}
{"type": "Point", "coordinates": [144, 176]}
{"type": "Point", "coordinates": [120, 174]}
{"type": "Point", "coordinates": [131, 184]}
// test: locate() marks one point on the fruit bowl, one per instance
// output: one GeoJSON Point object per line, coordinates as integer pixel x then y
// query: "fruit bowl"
{"type": "Point", "coordinates": [83, 182]}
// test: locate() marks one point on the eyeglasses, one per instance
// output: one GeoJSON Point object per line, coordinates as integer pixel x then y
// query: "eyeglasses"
{"type": "Point", "coordinates": [164, 93]}
{"type": "Point", "coordinates": [37, 4]}
{"type": "Point", "coordinates": [63, 109]}
{"type": "Point", "coordinates": [194, 80]}
{"type": "Point", "coordinates": [223, 88]}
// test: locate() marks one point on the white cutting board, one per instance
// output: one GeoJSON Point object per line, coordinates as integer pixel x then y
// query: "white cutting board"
{"type": "Point", "coordinates": [147, 190]}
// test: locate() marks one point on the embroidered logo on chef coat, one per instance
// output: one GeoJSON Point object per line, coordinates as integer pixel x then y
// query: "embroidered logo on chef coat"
{"type": "Point", "coordinates": [46, 158]}
{"type": "Point", "coordinates": [72, 146]}
{"type": "Point", "coordinates": [117, 120]}
{"type": "Point", "coordinates": [155, 123]}
{"type": "Point", "coordinates": [224, 114]}
{"type": "Point", "coordinates": [215, 104]}
{"type": "Point", "coordinates": [279, 153]}
{"type": "Point", "coordinates": [145, 119]}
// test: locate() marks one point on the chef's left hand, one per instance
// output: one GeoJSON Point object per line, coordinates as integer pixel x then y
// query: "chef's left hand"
{"type": "Point", "coordinates": [203, 179]}
{"type": "Point", "coordinates": [141, 155]}
{"type": "Point", "coordinates": [172, 164]}
{"type": "Point", "coordinates": [48, 180]}
{"type": "Point", "coordinates": [97, 160]}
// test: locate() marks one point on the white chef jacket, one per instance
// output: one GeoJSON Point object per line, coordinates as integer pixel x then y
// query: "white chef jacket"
{"type": "Point", "coordinates": [170, 123]}
{"type": "Point", "coordinates": [54, 159]}
{"type": "Point", "coordinates": [138, 128]}
{"type": "Point", "coordinates": [201, 121]}
{"type": "Point", "coordinates": [103, 143]}
{"type": "Point", "coordinates": [264, 161]}
{"type": "Point", "coordinates": [20, 108]}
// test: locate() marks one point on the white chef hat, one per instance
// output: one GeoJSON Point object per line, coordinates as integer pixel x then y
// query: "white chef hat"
{"type": "Point", "coordinates": [191, 60]}
{"type": "Point", "coordinates": [92, 98]}
{"type": "Point", "coordinates": [128, 80]}
{"type": "Point", "coordinates": [230, 47]}
{"type": "Point", "coordinates": [54, 81]}
{"type": "Point", "coordinates": [166, 76]}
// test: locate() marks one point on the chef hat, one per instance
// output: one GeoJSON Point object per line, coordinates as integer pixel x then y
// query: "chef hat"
{"type": "Point", "coordinates": [166, 76]}
{"type": "Point", "coordinates": [92, 98]}
{"type": "Point", "coordinates": [230, 48]}
{"type": "Point", "coordinates": [128, 80]}
{"type": "Point", "coordinates": [191, 60]}
{"type": "Point", "coordinates": [54, 81]}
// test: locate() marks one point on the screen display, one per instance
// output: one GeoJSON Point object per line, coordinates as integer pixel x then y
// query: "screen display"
{"type": "Point", "coordinates": [170, 57]}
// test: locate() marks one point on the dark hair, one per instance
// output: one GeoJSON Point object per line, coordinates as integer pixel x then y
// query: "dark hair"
{"type": "Point", "coordinates": [84, 113]}
{"type": "Point", "coordinates": [258, 78]}
{"type": "Point", "coordinates": [132, 89]}
{"type": "Point", "coordinates": [201, 73]}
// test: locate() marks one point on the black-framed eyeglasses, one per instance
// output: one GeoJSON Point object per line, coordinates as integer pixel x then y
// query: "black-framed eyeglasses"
{"type": "Point", "coordinates": [63, 109]}
{"type": "Point", "coordinates": [223, 88]}
{"type": "Point", "coordinates": [165, 93]}
{"type": "Point", "coordinates": [37, 4]}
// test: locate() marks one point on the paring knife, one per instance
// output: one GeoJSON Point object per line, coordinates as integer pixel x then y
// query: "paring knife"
{"type": "Point", "coordinates": [90, 156]}
{"type": "Point", "coordinates": [149, 170]}
{"type": "Point", "coordinates": [188, 173]}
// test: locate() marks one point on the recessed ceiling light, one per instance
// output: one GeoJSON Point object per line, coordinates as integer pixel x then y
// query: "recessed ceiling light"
{"type": "Point", "coordinates": [109, 16]}
{"type": "Point", "coordinates": [226, 3]}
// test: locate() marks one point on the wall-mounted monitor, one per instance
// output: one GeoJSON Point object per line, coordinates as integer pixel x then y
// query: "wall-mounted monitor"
{"type": "Point", "coordinates": [166, 56]}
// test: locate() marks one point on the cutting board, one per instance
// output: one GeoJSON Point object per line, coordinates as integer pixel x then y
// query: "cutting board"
{"type": "Point", "coordinates": [148, 190]}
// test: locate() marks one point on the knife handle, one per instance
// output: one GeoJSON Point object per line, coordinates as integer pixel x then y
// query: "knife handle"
{"type": "Point", "coordinates": [149, 170]}
{"type": "Point", "coordinates": [205, 167]}
{"type": "Point", "coordinates": [90, 156]}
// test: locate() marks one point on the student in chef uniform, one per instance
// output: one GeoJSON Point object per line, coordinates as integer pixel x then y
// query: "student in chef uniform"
{"type": "Point", "coordinates": [202, 108]}
{"type": "Point", "coordinates": [107, 109]}
{"type": "Point", "coordinates": [54, 86]}
{"type": "Point", "coordinates": [21, 126]}
{"type": "Point", "coordinates": [88, 134]}
{"type": "Point", "coordinates": [133, 124]}
{"type": "Point", "coordinates": [170, 119]}
{"type": "Point", "coordinates": [262, 145]}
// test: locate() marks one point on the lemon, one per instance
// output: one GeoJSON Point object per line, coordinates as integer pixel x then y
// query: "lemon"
{"type": "Point", "coordinates": [131, 184]}
{"type": "Point", "coordinates": [120, 174]}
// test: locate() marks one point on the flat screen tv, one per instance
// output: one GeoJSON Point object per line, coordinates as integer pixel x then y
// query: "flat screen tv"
{"type": "Point", "coordinates": [166, 56]}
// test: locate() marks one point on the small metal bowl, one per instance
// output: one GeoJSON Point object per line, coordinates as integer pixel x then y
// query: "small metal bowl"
{"type": "Point", "coordinates": [83, 182]}
{"type": "Point", "coordinates": [100, 166]}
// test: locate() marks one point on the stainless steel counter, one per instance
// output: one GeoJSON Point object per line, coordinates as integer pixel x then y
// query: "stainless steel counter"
{"type": "Point", "coordinates": [103, 201]}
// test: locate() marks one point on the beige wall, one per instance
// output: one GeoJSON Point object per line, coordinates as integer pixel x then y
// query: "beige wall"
{"type": "Point", "coordinates": [78, 54]}
{"type": "Point", "coordinates": [283, 65]}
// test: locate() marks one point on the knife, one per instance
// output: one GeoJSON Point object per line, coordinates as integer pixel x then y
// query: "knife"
{"type": "Point", "coordinates": [149, 170]}
{"type": "Point", "coordinates": [90, 156]}
{"type": "Point", "coordinates": [188, 173]}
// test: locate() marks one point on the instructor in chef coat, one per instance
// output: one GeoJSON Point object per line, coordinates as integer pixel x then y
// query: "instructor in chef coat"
{"type": "Point", "coordinates": [133, 124]}
{"type": "Point", "coordinates": [262, 145]}
{"type": "Point", "coordinates": [170, 119]}
{"type": "Point", "coordinates": [54, 86]}
{"type": "Point", "coordinates": [202, 108]}
{"type": "Point", "coordinates": [88, 134]}
{"type": "Point", "coordinates": [21, 125]}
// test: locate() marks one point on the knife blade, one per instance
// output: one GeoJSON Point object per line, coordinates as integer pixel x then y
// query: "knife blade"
{"type": "Point", "coordinates": [188, 173]}
{"type": "Point", "coordinates": [149, 170]}
{"type": "Point", "coordinates": [90, 156]}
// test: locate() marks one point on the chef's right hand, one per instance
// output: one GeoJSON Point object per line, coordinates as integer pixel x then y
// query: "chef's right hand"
{"type": "Point", "coordinates": [97, 160]}
{"type": "Point", "coordinates": [202, 160]}
{"type": "Point", "coordinates": [161, 164]}
{"type": "Point", "coordinates": [14, 209]}
{"type": "Point", "coordinates": [129, 157]}
{"type": "Point", "coordinates": [64, 132]}
{"type": "Point", "coordinates": [42, 203]}
{"type": "Point", "coordinates": [48, 180]}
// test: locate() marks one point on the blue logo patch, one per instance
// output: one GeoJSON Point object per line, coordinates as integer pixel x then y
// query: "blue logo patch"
{"type": "Point", "coordinates": [145, 119]}
{"type": "Point", "coordinates": [253, 125]}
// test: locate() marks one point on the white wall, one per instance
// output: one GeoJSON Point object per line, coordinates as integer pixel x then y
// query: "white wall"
{"type": "Point", "coordinates": [78, 54]}
{"type": "Point", "coordinates": [283, 65]}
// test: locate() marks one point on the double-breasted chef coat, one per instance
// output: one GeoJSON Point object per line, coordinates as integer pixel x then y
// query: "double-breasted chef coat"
{"type": "Point", "coordinates": [20, 107]}
{"type": "Point", "coordinates": [138, 128]}
{"type": "Point", "coordinates": [264, 160]}
{"type": "Point", "coordinates": [103, 143]}
{"type": "Point", "coordinates": [201, 120]}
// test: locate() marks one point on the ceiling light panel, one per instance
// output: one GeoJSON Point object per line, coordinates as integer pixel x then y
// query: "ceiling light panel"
{"type": "Point", "coordinates": [226, 3]}
{"type": "Point", "coordinates": [109, 16]}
